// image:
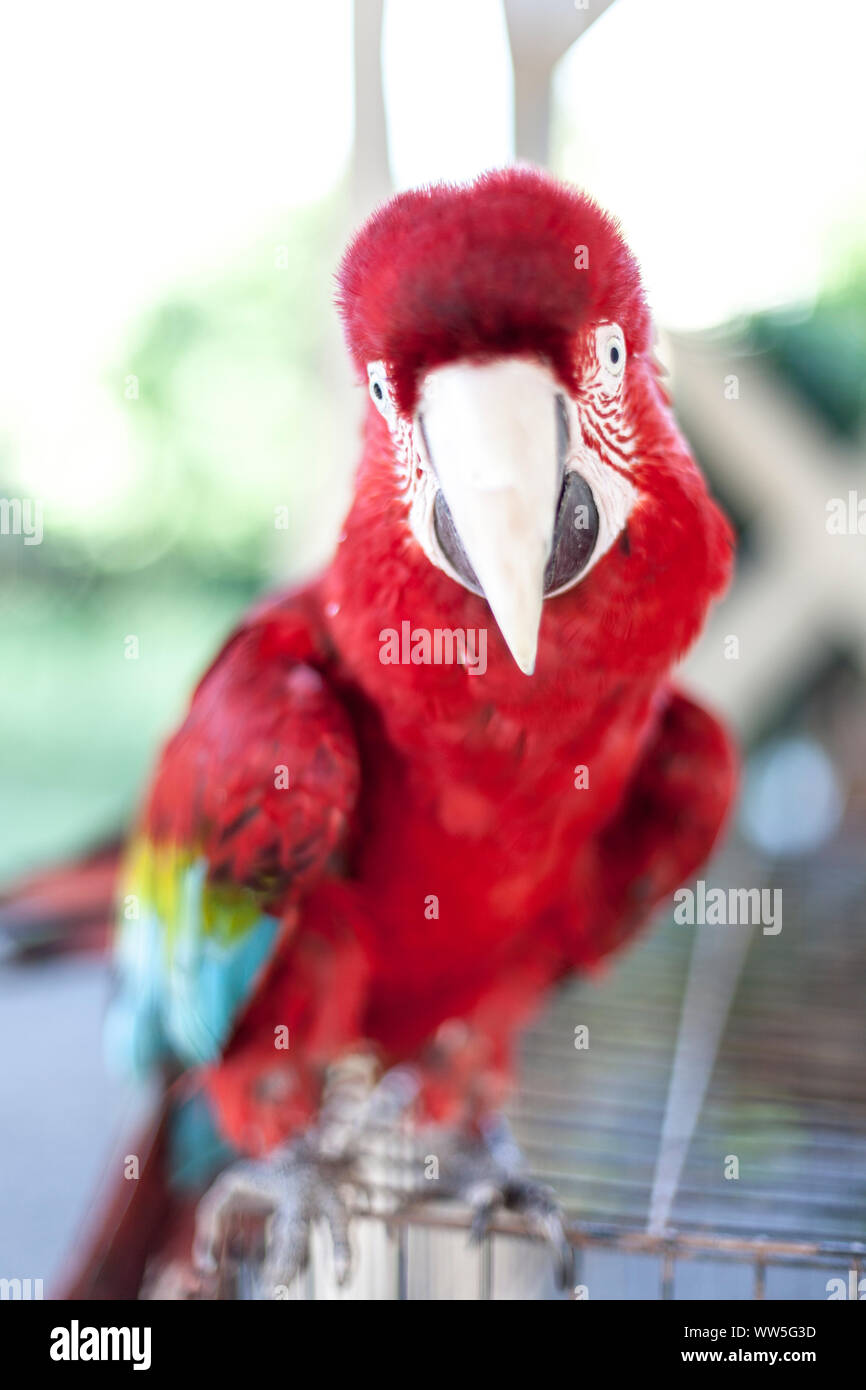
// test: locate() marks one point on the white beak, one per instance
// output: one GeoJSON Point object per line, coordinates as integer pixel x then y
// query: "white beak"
{"type": "Point", "coordinates": [491, 435]}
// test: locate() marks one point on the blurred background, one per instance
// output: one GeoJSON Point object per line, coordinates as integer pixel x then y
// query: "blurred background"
{"type": "Point", "coordinates": [178, 431]}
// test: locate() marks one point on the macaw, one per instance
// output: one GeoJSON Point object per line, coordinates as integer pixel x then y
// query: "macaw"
{"type": "Point", "coordinates": [414, 794]}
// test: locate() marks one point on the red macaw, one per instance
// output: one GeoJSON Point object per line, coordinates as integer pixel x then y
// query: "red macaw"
{"type": "Point", "coordinates": [413, 795]}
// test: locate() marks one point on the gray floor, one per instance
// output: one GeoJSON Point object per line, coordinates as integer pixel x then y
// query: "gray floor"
{"type": "Point", "coordinates": [61, 1115]}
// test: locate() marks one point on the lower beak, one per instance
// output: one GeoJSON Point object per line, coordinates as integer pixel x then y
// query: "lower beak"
{"type": "Point", "coordinates": [491, 434]}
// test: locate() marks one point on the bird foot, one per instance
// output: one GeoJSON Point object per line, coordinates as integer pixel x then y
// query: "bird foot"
{"type": "Point", "coordinates": [253, 1224]}
{"type": "Point", "coordinates": [486, 1174]}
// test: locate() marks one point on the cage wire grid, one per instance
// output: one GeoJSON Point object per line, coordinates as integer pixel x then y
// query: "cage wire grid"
{"type": "Point", "coordinates": [784, 1095]}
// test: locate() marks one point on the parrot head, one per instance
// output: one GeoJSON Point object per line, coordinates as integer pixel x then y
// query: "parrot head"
{"type": "Point", "coordinates": [521, 428]}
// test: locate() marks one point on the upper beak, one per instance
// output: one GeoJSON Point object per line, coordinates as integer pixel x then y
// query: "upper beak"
{"type": "Point", "coordinates": [490, 430]}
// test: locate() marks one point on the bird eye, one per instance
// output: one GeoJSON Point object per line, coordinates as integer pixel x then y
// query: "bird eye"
{"type": "Point", "coordinates": [380, 391]}
{"type": "Point", "coordinates": [611, 352]}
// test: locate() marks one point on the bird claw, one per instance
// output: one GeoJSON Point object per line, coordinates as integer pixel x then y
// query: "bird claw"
{"type": "Point", "coordinates": [539, 1207]}
{"type": "Point", "coordinates": [290, 1190]}
{"type": "Point", "coordinates": [488, 1185]}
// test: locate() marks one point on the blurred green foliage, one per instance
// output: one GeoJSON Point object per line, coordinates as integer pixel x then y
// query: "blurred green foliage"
{"type": "Point", "coordinates": [822, 351]}
{"type": "Point", "coordinates": [229, 387]}
{"type": "Point", "coordinates": [233, 411]}
{"type": "Point", "coordinates": [79, 723]}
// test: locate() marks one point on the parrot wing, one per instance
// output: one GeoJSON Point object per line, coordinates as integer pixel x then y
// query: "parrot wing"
{"type": "Point", "coordinates": [671, 815]}
{"type": "Point", "coordinates": [251, 799]}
